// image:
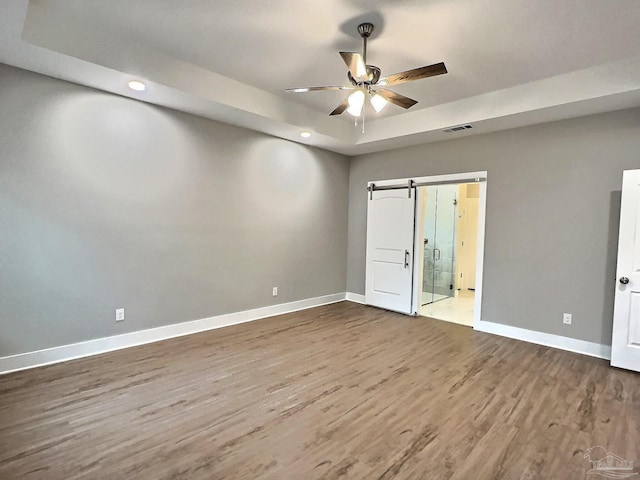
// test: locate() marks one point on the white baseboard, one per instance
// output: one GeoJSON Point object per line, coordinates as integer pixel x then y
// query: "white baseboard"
{"type": "Point", "coordinates": [355, 297]}
{"type": "Point", "coordinates": [547, 339]}
{"type": "Point", "coordinates": [64, 353]}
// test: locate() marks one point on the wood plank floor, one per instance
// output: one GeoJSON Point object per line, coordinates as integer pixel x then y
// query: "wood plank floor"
{"type": "Point", "coordinates": [339, 391]}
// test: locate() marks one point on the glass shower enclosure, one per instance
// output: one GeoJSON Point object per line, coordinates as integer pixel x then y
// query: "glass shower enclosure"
{"type": "Point", "coordinates": [439, 239]}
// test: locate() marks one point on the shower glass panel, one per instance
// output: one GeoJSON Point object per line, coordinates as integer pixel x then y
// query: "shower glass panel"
{"type": "Point", "coordinates": [439, 243]}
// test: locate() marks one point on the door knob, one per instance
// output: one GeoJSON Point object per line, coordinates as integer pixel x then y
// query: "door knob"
{"type": "Point", "coordinates": [624, 280]}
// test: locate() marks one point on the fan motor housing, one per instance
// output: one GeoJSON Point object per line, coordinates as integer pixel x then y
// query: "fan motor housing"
{"type": "Point", "coordinates": [373, 74]}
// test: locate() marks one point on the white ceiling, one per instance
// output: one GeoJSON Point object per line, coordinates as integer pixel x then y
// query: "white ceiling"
{"type": "Point", "coordinates": [510, 62]}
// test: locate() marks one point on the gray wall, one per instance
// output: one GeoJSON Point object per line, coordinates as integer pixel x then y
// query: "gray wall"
{"type": "Point", "coordinates": [553, 203]}
{"type": "Point", "coordinates": [108, 202]}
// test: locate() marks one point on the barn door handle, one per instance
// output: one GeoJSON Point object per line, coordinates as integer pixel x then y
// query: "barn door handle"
{"type": "Point", "coordinates": [406, 259]}
{"type": "Point", "coordinates": [436, 257]}
{"type": "Point", "coordinates": [624, 280]}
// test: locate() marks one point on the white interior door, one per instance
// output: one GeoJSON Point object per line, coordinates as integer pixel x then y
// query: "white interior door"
{"type": "Point", "coordinates": [390, 233]}
{"type": "Point", "coordinates": [625, 352]}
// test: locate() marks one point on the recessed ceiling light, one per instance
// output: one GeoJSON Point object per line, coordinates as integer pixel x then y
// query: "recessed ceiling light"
{"type": "Point", "coordinates": [137, 86]}
{"type": "Point", "coordinates": [300, 90]}
{"type": "Point", "coordinates": [305, 134]}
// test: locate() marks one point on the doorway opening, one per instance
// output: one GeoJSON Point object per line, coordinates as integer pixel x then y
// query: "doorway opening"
{"type": "Point", "coordinates": [395, 269]}
{"type": "Point", "coordinates": [446, 251]}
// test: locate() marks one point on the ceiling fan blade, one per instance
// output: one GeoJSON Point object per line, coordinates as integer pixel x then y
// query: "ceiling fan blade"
{"type": "Point", "coordinates": [341, 108]}
{"type": "Point", "coordinates": [315, 89]}
{"type": "Point", "coordinates": [415, 74]}
{"type": "Point", "coordinates": [397, 99]}
{"type": "Point", "coordinates": [355, 63]}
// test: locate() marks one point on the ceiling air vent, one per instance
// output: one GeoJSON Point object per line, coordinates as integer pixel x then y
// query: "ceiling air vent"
{"type": "Point", "coordinates": [459, 128]}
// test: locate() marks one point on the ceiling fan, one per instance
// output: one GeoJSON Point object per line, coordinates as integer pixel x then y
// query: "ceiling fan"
{"type": "Point", "coordinates": [367, 83]}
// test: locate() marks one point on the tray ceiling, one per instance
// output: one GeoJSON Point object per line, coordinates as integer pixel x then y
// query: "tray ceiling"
{"type": "Point", "coordinates": [510, 62]}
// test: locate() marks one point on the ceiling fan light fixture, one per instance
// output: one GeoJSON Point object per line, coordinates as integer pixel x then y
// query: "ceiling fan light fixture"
{"type": "Point", "coordinates": [365, 80]}
{"type": "Point", "coordinates": [378, 102]}
{"type": "Point", "coordinates": [356, 103]}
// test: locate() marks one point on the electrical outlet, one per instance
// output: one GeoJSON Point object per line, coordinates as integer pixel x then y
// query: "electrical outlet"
{"type": "Point", "coordinates": [119, 314]}
{"type": "Point", "coordinates": [566, 319]}
{"type": "Point", "coordinates": [275, 291]}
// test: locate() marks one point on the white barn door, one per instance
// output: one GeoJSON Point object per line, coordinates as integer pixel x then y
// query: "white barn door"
{"type": "Point", "coordinates": [625, 351]}
{"type": "Point", "coordinates": [390, 233]}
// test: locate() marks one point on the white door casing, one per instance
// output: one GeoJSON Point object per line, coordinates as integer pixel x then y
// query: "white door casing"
{"type": "Point", "coordinates": [625, 349]}
{"type": "Point", "coordinates": [389, 256]}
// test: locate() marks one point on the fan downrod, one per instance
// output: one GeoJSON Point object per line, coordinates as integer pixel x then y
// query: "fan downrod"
{"type": "Point", "coordinates": [373, 73]}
